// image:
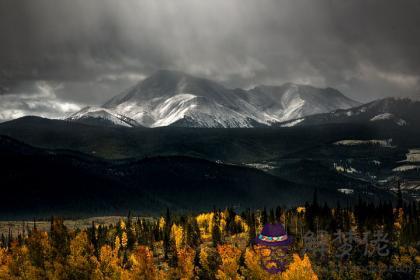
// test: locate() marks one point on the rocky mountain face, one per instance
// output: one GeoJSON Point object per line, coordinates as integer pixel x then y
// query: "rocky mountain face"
{"type": "Point", "coordinates": [170, 98]}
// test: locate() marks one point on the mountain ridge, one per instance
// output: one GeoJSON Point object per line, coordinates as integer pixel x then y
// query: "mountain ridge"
{"type": "Point", "coordinates": [391, 110]}
{"type": "Point", "coordinates": [176, 98]}
{"type": "Point", "coordinates": [44, 182]}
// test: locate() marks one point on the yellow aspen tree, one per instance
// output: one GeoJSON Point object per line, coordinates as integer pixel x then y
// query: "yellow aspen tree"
{"type": "Point", "coordinates": [122, 224]}
{"type": "Point", "coordinates": [299, 269]}
{"type": "Point", "coordinates": [4, 262]}
{"type": "Point", "coordinates": [176, 234]}
{"type": "Point", "coordinates": [109, 263]}
{"type": "Point", "coordinates": [209, 260]}
{"type": "Point", "coordinates": [230, 262]}
{"type": "Point", "coordinates": [82, 263]}
{"type": "Point", "coordinates": [186, 263]}
{"type": "Point", "coordinates": [117, 245]}
{"type": "Point", "coordinates": [204, 258]}
{"type": "Point", "coordinates": [205, 224]}
{"type": "Point", "coordinates": [20, 266]}
{"type": "Point", "coordinates": [244, 225]}
{"type": "Point", "coordinates": [143, 266]}
{"type": "Point", "coordinates": [124, 240]}
{"type": "Point", "coordinates": [162, 223]}
{"type": "Point", "coordinates": [254, 270]}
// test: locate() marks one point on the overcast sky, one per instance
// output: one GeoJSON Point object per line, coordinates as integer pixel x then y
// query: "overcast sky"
{"type": "Point", "coordinates": [59, 55]}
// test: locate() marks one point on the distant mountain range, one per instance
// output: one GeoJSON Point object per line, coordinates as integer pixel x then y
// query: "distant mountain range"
{"type": "Point", "coordinates": [86, 169]}
{"type": "Point", "coordinates": [393, 111]}
{"type": "Point", "coordinates": [107, 160]}
{"type": "Point", "coordinates": [171, 98]}
{"type": "Point", "coordinates": [43, 182]}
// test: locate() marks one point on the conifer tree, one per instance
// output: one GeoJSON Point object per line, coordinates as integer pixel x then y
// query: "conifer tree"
{"type": "Point", "coordinates": [216, 233]}
{"type": "Point", "coordinates": [264, 217]}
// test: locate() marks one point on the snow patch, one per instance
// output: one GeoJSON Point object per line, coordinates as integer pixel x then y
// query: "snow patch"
{"type": "Point", "coordinates": [403, 168]}
{"type": "Point", "coordinates": [344, 169]}
{"type": "Point", "coordinates": [261, 166]}
{"type": "Point", "coordinates": [387, 143]}
{"type": "Point", "coordinates": [388, 116]}
{"type": "Point", "coordinates": [103, 114]}
{"type": "Point", "coordinates": [346, 191]}
{"type": "Point", "coordinates": [413, 155]}
{"type": "Point", "coordinates": [293, 123]}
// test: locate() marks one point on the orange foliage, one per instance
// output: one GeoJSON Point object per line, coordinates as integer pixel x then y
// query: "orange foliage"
{"type": "Point", "coordinates": [4, 261]}
{"type": "Point", "coordinates": [108, 263]}
{"type": "Point", "coordinates": [186, 263]}
{"type": "Point", "coordinates": [230, 262]}
{"type": "Point", "coordinates": [82, 263]}
{"type": "Point", "coordinates": [299, 269]}
{"type": "Point", "coordinates": [143, 265]}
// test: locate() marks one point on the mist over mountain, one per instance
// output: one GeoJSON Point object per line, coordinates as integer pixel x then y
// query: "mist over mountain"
{"type": "Point", "coordinates": [178, 99]}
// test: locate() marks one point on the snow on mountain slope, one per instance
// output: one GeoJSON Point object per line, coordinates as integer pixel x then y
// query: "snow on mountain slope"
{"type": "Point", "coordinates": [102, 115]}
{"type": "Point", "coordinates": [170, 97]}
{"type": "Point", "coordinates": [292, 101]}
{"type": "Point", "coordinates": [388, 116]}
{"type": "Point", "coordinates": [178, 99]}
{"type": "Point", "coordinates": [399, 111]}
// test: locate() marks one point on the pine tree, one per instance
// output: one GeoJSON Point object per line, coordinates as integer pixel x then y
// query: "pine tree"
{"type": "Point", "coordinates": [192, 233]}
{"type": "Point", "coordinates": [264, 218]}
{"type": "Point", "coordinates": [167, 234]}
{"type": "Point", "coordinates": [216, 233]}
{"type": "Point", "coordinates": [252, 227]}
{"type": "Point", "coordinates": [278, 214]}
{"type": "Point", "coordinates": [60, 239]}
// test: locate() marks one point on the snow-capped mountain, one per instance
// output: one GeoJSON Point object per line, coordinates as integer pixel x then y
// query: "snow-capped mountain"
{"type": "Point", "coordinates": [98, 115]}
{"type": "Point", "coordinates": [398, 111]}
{"type": "Point", "coordinates": [293, 101]}
{"type": "Point", "coordinates": [178, 99]}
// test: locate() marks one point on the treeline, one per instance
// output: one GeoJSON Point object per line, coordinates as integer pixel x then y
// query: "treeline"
{"type": "Point", "coordinates": [366, 241]}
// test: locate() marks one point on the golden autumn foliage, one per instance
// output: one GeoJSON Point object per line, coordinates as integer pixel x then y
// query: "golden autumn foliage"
{"type": "Point", "coordinates": [82, 263]}
{"type": "Point", "coordinates": [20, 265]}
{"type": "Point", "coordinates": [299, 269]}
{"type": "Point", "coordinates": [243, 224]}
{"type": "Point", "coordinates": [4, 260]}
{"type": "Point", "coordinates": [150, 249]}
{"type": "Point", "coordinates": [300, 209]}
{"type": "Point", "coordinates": [124, 239]}
{"type": "Point", "coordinates": [204, 254]}
{"type": "Point", "coordinates": [108, 263]}
{"type": "Point", "coordinates": [254, 269]}
{"type": "Point", "coordinates": [177, 234]}
{"type": "Point", "coordinates": [229, 267]}
{"type": "Point", "coordinates": [205, 224]}
{"type": "Point", "coordinates": [161, 223]}
{"type": "Point", "coordinates": [186, 263]}
{"type": "Point", "coordinates": [122, 225]}
{"type": "Point", "coordinates": [117, 245]}
{"type": "Point", "coordinates": [143, 266]}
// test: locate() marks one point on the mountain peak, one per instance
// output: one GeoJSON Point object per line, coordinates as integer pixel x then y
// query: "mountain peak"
{"type": "Point", "coordinates": [165, 75]}
{"type": "Point", "coordinates": [173, 97]}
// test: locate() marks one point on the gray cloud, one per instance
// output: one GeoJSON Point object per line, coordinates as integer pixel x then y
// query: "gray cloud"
{"type": "Point", "coordinates": [37, 99]}
{"type": "Point", "coordinates": [96, 48]}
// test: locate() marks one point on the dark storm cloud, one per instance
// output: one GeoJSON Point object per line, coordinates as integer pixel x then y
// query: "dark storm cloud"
{"type": "Point", "coordinates": [95, 48]}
